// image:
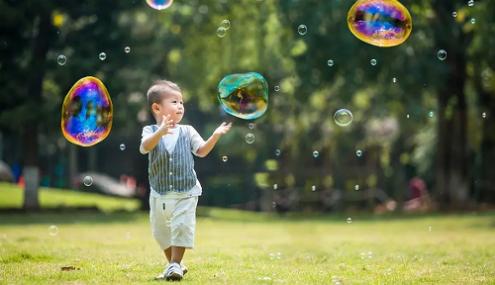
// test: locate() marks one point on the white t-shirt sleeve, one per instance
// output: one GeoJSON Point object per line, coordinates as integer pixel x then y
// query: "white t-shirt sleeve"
{"type": "Point", "coordinates": [196, 140]}
{"type": "Point", "coordinates": [147, 130]}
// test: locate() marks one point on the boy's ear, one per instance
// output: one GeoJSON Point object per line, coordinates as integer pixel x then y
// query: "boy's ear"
{"type": "Point", "coordinates": [155, 107]}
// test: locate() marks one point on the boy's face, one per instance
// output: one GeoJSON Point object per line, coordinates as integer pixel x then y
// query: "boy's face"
{"type": "Point", "coordinates": [172, 105]}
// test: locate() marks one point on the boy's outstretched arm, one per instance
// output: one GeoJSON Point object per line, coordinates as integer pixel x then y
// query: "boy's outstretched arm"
{"type": "Point", "coordinates": [210, 143]}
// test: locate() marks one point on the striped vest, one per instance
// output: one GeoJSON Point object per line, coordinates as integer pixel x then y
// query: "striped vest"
{"type": "Point", "coordinates": [175, 171]}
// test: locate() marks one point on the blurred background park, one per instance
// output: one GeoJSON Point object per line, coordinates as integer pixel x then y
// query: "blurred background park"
{"type": "Point", "coordinates": [422, 140]}
{"type": "Point", "coordinates": [423, 111]}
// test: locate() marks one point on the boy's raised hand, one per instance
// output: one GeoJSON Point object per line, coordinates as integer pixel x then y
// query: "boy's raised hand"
{"type": "Point", "coordinates": [223, 128]}
{"type": "Point", "coordinates": [165, 125]}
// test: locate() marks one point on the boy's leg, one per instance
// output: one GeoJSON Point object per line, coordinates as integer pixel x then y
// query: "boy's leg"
{"type": "Point", "coordinates": [177, 254]}
{"type": "Point", "coordinates": [168, 253]}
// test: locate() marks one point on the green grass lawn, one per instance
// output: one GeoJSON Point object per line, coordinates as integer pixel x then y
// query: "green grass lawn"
{"type": "Point", "coordinates": [11, 196]}
{"type": "Point", "coordinates": [234, 247]}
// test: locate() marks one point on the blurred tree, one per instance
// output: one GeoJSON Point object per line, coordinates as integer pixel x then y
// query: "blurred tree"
{"type": "Point", "coordinates": [31, 34]}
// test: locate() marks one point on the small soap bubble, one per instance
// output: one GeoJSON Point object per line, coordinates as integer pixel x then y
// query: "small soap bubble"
{"type": "Point", "coordinates": [471, 3]}
{"type": "Point", "coordinates": [302, 30]}
{"type": "Point", "coordinates": [359, 153]}
{"type": "Point", "coordinates": [102, 56]}
{"type": "Point", "coordinates": [349, 220]}
{"type": "Point", "coordinates": [225, 24]}
{"type": "Point", "coordinates": [431, 114]}
{"type": "Point", "coordinates": [250, 138]}
{"type": "Point", "coordinates": [343, 117]}
{"type": "Point", "coordinates": [454, 14]}
{"type": "Point", "coordinates": [251, 126]}
{"type": "Point", "coordinates": [127, 49]}
{"type": "Point", "coordinates": [225, 158]}
{"type": "Point", "coordinates": [276, 88]}
{"type": "Point", "coordinates": [122, 147]}
{"type": "Point", "coordinates": [221, 32]}
{"type": "Point", "coordinates": [61, 59]}
{"type": "Point", "coordinates": [316, 154]}
{"type": "Point", "coordinates": [394, 80]}
{"type": "Point", "coordinates": [408, 116]}
{"type": "Point", "coordinates": [356, 187]}
{"type": "Point", "coordinates": [87, 180]}
{"type": "Point", "coordinates": [330, 62]}
{"type": "Point", "coordinates": [473, 21]}
{"type": "Point", "coordinates": [483, 115]}
{"type": "Point", "coordinates": [53, 230]}
{"type": "Point", "coordinates": [441, 54]}
{"type": "Point", "coordinates": [373, 62]}
{"type": "Point", "coordinates": [313, 188]}
{"type": "Point", "coordinates": [278, 152]}
{"type": "Point", "coordinates": [159, 4]}
{"type": "Point", "coordinates": [275, 186]}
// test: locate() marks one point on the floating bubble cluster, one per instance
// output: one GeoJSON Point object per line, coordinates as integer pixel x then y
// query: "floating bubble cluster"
{"type": "Point", "coordinates": [244, 95]}
{"type": "Point", "coordinates": [87, 112]}
{"type": "Point", "coordinates": [159, 4]}
{"type": "Point", "coordinates": [223, 28]}
{"type": "Point", "coordinates": [383, 23]}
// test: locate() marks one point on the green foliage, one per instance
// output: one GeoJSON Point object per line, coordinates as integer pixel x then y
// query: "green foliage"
{"type": "Point", "coordinates": [181, 44]}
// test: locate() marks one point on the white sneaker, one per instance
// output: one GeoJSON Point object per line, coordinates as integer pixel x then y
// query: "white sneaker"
{"type": "Point", "coordinates": [184, 269]}
{"type": "Point", "coordinates": [162, 275]}
{"type": "Point", "coordinates": [174, 272]}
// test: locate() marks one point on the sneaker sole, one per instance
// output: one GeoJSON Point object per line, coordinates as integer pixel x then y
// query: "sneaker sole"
{"type": "Point", "coordinates": [174, 277]}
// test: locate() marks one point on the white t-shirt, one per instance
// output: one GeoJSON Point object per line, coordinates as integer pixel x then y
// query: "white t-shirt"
{"type": "Point", "coordinates": [169, 141]}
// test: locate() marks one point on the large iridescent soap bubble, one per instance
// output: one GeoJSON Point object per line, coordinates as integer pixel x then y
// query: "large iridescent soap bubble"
{"type": "Point", "coordinates": [383, 23]}
{"type": "Point", "coordinates": [244, 95]}
{"type": "Point", "coordinates": [87, 112]}
{"type": "Point", "coordinates": [159, 4]}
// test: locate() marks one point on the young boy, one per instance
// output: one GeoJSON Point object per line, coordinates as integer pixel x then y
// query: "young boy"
{"type": "Point", "coordinates": [174, 186]}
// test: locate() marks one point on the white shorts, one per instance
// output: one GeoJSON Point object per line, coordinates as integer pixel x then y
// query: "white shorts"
{"type": "Point", "coordinates": [173, 221]}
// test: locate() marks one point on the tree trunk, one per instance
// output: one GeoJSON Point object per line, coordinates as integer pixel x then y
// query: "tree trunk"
{"type": "Point", "coordinates": [486, 184]}
{"type": "Point", "coordinates": [452, 177]}
{"type": "Point", "coordinates": [30, 134]}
